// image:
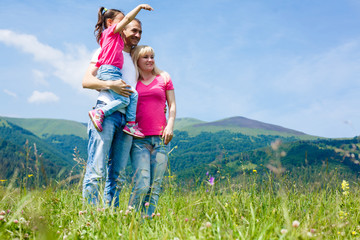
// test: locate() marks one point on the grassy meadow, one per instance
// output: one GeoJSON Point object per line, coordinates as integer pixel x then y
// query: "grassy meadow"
{"type": "Point", "coordinates": [258, 204]}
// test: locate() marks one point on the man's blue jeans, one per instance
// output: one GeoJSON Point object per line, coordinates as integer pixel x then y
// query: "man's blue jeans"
{"type": "Point", "coordinates": [149, 158]}
{"type": "Point", "coordinates": [108, 154]}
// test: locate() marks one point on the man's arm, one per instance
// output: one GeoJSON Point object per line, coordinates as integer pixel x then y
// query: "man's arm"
{"type": "Point", "coordinates": [90, 81]}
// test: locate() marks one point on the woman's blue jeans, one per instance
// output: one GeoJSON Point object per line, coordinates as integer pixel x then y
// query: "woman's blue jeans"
{"type": "Point", "coordinates": [149, 158]}
{"type": "Point", "coordinates": [108, 154]}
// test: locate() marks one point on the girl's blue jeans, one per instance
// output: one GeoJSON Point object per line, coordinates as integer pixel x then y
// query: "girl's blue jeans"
{"type": "Point", "coordinates": [109, 72]}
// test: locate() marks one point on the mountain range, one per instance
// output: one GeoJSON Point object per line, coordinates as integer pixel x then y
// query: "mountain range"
{"type": "Point", "coordinates": [197, 145]}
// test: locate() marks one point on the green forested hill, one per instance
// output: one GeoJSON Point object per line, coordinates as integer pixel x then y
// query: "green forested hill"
{"type": "Point", "coordinates": [17, 151]}
{"type": "Point", "coordinates": [197, 147]}
{"type": "Point", "coordinates": [326, 154]}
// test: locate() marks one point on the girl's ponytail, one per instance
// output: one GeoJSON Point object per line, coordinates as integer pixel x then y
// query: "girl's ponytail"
{"type": "Point", "coordinates": [103, 15]}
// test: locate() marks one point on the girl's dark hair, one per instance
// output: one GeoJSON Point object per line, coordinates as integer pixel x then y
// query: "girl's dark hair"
{"type": "Point", "coordinates": [103, 15]}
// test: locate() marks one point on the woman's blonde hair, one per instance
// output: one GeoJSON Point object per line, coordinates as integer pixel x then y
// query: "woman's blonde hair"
{"type": "Point", "coordinates": [140, 51]}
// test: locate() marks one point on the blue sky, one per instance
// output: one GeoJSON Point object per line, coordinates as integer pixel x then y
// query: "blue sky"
{"type": "Point", "coordinates": [290, 63]}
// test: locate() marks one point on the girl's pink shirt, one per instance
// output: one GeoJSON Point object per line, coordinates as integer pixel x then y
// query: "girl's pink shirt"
{"type": "Point", "coordinates": [111, 48]}
{"type": "Point", "coordinates": [150, 114]}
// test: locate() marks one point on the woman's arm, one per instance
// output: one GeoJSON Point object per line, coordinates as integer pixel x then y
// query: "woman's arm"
{"type": "Point", "coordinates": [90, 81]}
{"type": "Point", "coordinates": [130, 16]}
{"type": "Point", "coordinates": [169, 129]}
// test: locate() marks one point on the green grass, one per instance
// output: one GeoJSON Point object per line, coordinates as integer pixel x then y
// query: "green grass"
{"type": "Point", "coordinates": [251, 206]}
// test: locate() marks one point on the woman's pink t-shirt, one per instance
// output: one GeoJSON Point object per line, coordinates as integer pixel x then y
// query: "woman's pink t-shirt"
{"type": "Point", "coordinates": [111, 48]}
{"type": "Point", "coordinates": [150, 114]}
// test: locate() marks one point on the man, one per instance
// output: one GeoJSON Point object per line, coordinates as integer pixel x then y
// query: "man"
{"type": "Point", "coordinates": [108, 151]}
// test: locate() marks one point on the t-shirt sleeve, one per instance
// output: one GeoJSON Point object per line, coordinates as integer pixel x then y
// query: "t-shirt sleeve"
{"type": "Point", "coordinates": [95, 56]}
{"type": "Point", "coordinates": [169, 85]}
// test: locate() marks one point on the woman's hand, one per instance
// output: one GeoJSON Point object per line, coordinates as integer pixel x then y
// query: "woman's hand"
{"type": "Point", "coordinates": [167, 134]}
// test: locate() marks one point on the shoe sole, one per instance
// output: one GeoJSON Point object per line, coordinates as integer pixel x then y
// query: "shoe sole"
{"type": "Point", "coordinates": [130, 133]}
{"type": "Point", "coordinates": [94, 123]}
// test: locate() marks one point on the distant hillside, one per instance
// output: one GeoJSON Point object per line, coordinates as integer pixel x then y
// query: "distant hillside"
{"type": "Point", "coordinates": [243, 122]}
{"type": "Point", "coordinates": [181, 123]}
{"type": "Point", "coordinates": [238, 125]}
{"type": "Point", "coordinates": [43, 127]}
{"type": "Point", "coordinates": [14, 142]}
{"type": "Point", "coordinates": [342, 155]}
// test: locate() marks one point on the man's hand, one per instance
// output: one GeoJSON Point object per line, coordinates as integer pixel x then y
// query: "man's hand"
{"type": "Point", "coordinates": [120, 87]}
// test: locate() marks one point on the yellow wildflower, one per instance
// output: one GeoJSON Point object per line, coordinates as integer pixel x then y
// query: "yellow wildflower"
{"type": "Point", "coordinates": [254, 171]}
{"type": "Point", "coordinates": [345, 185]}
{"type": "Point", "coordinates": [30, 175]}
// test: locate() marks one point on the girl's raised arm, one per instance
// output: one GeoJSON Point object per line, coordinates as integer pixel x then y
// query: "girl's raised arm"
{"type": "Point", "coordinates": [130, 16]}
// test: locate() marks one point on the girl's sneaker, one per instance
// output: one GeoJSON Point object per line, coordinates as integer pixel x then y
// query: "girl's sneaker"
{"type": "Point", "coordinates": [133, 130]}
{"type": "Point", "coordinates": [97, 117]}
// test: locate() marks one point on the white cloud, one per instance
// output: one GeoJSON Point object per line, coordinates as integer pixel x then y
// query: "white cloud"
{"type": "Point", "coordinates": [39, 77]}
{"type": "Point", "coordinates": [10, 93]}
{"type": "Point", "coordinates": [43, 97]}
{"type": "Point", "coordinates": [68, 66]}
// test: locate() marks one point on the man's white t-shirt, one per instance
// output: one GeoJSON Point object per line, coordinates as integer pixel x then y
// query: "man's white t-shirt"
{"type": "Point", "coordinates": [128, 75]}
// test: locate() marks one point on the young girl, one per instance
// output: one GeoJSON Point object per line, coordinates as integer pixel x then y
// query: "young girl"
{"type": "Point", "coordinates": [110, 24]}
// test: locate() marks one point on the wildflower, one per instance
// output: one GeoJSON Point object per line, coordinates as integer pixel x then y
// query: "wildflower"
{"type": "Point", "coordinates": [16, 221]}
{"type": "Point", "coordinates": [208, 224]}
{"type": "Point", "coordinates": [353, 233]}
{"type": "Point", "coordinates": [186, 219]}
{"type": "Point", "coordinates": [226, 205]}
{"type": "Point", "coordinates": [207, 173]}
{"type": "Point", "coordinates": [283, 154]}
{"type": "Point", "coordinates": [2, 218]}
{"type": "Point", "coordinates": [158, 214]}
{"type": "Point", "coordinates": [254, 171]}
{"type": "Point", "coordinates": [147, 204]}
{"type": "Point", "coordinates": [312, 230]}
{"type": "Point", "coordinates": [296, 224]}
{"type": "Point", "coordinates": [283, 231]}
{"type": "Point", "coordinates": [2, 180]}
{"type": "Point", "coordinates": [345, 187]}
{"type": "Point", "coordinates": [2, 213]}
{"type": "Point", "coordinates": [30, 175]}
{"type": "Point", "coordinates": [193, 219]}
{"type": "Point", "coordinates": [211, 181]}
{"type": "Point", "coordinates": [81, 213]}
{"type": "Point", "coordinates": [88, 224]}
{"type": "Point", "coordinates": [130, 207]}
{"type": "Point", "coordinates": [127, 212]}
{"type": "Point", "coordinates": [153, 215]}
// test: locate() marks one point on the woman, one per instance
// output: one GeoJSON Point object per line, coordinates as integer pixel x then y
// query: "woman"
{"type": "Point", "coordinates": [150, 155]}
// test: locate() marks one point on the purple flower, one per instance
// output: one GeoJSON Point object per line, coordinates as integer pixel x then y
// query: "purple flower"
{"type": "Point", "coordinates": [207, 173]}
{"type": "Point", "coordinates": [212, 180]}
